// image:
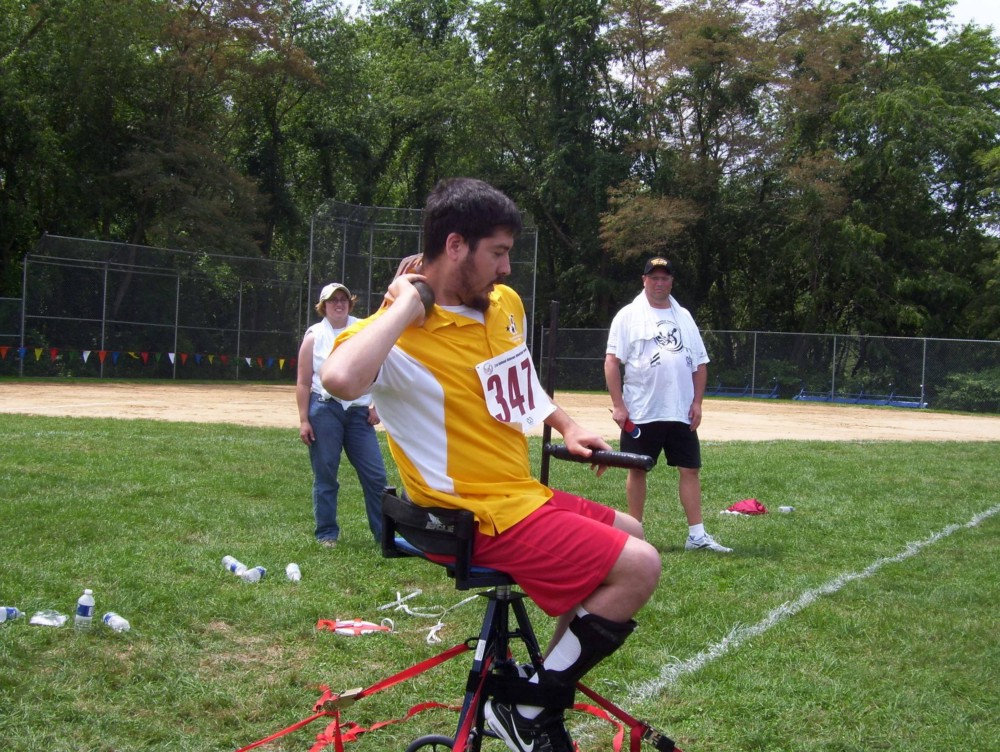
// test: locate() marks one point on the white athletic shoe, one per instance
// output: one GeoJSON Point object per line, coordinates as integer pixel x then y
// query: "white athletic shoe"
{"type": "Point", "coordinates": [705, 543]}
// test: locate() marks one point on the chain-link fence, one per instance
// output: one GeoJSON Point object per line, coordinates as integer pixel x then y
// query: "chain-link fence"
{"type": "Point", "coordinates": [100, 309]}
{"type": "Point", "coordinates": [898, 371]}
{"type": "Point", "coordinates": [92, 308]}
{"type": "Point", "coordinates": [361, 246]}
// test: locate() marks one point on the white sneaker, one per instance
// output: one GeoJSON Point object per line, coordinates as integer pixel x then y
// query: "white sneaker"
{"type": "Point", "coordinates": [707, 543]}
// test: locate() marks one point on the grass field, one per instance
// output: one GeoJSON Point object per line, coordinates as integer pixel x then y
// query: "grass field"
{"type": "Point", "coordinates": [864, 620]}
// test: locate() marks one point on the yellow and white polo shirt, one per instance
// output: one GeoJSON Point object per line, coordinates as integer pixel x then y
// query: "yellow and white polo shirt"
{"type": "Point", "coordinates": [450, 450]}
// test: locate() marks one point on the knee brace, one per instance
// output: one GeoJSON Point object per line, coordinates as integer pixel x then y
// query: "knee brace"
{"type": "Point", "coordinates": [598, 638]}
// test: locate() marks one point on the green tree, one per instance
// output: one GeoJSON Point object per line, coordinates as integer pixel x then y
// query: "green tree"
{"type": "Point", "coordinates": [547, 67]}
{"type": "Point", "coordinates": [422, 122]}
{"type": "Point", "coordinates": [704, 75]}
{"type": "Point", "coordinates": [911, 133]}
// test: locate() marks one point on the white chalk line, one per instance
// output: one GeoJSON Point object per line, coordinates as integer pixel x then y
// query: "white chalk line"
{"type": "Point", "coordinates": [671, 672]}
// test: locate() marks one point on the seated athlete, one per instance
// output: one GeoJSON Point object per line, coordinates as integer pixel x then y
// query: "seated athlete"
{"type": "Point", "coordinates": [454, 387]}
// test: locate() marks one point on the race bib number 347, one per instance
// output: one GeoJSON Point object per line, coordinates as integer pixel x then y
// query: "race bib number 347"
{"type": "Point", "coordinates": [513, 392]}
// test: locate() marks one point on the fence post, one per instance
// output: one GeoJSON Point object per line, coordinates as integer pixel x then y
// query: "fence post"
{"type": "Point", "coordinates": [309, 269]}
{"type": "Point", "coordinates": [104, 314]}
{"type": "Point", "coordinates": [550, 385]}
{"type": "Point", "coordinates": [833, 369]}
{"type": "Point", "coordinates": [24, 308]}
{"type": "Point", "coordinates": [753, 367]}
{"type": "Point", "coordinates": [177, 323]}
{"type": "Point", "coordinates": [923, 376]}
{"type": "Point", "coordinates": [239, 330]}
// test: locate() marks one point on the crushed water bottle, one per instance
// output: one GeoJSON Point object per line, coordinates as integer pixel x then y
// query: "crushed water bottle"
{"type": "Point", "coordinates": [84, 611]}
{"type": "Point", "coordinates": [293, 572]}
{"type": "Point", "coordinates": [9, 613]}
{"type": "Point", "coordinates": [233, 565]}
{"type": "Point", "coordinates": [256, 574]}
{"type": "Point", "coordinates": [116, 622]}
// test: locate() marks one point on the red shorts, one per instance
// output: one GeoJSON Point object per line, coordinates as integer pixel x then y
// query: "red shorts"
{"type": "Point", "coordinates": [558, 554]}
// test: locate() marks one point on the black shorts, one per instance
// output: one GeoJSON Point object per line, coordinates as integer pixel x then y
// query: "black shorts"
{"type": "Point", "coordinates": [677, 441]}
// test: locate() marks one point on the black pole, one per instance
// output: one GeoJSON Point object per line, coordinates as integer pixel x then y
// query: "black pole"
{"type": "Point", "coordinates": [550, 383]}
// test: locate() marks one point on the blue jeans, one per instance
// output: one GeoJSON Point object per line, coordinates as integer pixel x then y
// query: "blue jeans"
{"type": "Point", "coordinates": [337, 429]}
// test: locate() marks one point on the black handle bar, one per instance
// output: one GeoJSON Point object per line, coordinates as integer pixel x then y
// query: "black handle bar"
{"type": "Point", "coordinates": [602, 457]}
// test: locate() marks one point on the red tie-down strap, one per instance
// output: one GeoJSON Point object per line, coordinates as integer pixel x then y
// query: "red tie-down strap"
{"type": "Point", "coordinates": [639, 731]}
{"type": "Point", "coordinates": [329, 704]}
{"type": "Point", "coordinates": [340, 735]}
{"type": "Point", "coordinates": [462, 735]}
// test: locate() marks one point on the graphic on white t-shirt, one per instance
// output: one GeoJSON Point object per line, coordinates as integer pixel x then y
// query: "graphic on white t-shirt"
{"type": "Point", "coordinates": [668, 337]}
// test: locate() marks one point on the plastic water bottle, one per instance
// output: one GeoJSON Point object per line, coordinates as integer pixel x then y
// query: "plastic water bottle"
{"type": "Point", "coordinates": [253, 575]}
{"type": "Point", "coordinates": [84, 611]}
{"type": "Point", "coordinates": [233, 565]}
{"type": "Point", "coordinates": [632, 429]}
{"type": "Point", "coordinates": [116, 622]}
{"type": "Point", "coordinates": [9, 613]}
{"type": "Point", "coordinates": [293, 572]}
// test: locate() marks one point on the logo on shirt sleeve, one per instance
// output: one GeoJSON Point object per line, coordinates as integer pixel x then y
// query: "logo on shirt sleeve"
{"type": "Point", "coordinates": [511, 325]}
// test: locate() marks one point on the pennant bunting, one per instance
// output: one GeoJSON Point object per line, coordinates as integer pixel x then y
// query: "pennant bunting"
{"type": "Point", "coordinates": [56, 353]}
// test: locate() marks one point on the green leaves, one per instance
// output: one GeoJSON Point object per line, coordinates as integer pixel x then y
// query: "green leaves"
{"type": "Point", "coordinates": [754, 142]}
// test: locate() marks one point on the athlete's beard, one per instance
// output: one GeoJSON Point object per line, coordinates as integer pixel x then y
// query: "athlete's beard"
{"type": "Point", "coordinates": [480, 301]}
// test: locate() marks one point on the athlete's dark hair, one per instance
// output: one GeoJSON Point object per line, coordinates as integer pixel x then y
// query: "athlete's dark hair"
{"type": "Point", "coordinates": [472, 208]}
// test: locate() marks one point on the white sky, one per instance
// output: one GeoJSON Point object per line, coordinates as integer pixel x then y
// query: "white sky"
{"type": "Point", "coordinates": [983, 12]}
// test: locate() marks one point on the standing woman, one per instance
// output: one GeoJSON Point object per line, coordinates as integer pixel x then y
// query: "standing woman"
{"type": "Point", "coordinates": [327, 424]}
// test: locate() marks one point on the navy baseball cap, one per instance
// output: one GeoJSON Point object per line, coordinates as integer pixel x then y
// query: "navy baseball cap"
{"type": "Point", "coordinates": [658, 264]}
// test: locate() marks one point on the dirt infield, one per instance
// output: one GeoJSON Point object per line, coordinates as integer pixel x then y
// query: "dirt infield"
{"type": "Point", "coordinates": [268, 405]}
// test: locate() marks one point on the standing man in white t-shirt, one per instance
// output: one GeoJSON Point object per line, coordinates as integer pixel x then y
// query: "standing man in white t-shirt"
{"type": "Point", "coordinates": [659, 404]}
